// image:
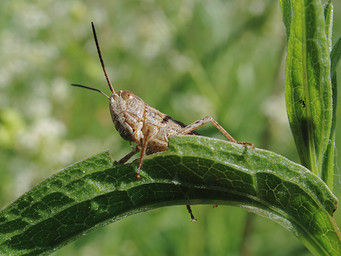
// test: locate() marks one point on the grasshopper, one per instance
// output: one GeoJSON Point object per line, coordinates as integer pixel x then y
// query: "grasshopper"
{"type": "Point", "coordinates": [147, 127]}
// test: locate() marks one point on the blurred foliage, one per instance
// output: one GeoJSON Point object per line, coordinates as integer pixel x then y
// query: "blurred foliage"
{"type": "Point", "coordinates": [188, 59]}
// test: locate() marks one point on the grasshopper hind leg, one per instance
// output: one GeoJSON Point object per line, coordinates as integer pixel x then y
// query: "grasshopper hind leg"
{"type": "Point", "coordinates": [197, 124]}
{"type": "Point", "coordinates": [201, 122]}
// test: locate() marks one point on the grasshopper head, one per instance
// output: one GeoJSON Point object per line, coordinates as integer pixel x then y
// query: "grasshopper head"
{"type": "Point", "coordinates": [127, 110]}
{"type": "Point", "coordinates": [127, 113]}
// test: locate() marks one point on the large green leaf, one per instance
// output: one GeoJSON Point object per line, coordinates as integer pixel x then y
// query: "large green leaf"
{"type": "Point", "coordinates": [194, 170]}
{"type": "Point", "coordinates": [308, 80]}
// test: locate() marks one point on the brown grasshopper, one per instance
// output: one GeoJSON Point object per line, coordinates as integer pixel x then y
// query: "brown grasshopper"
{"type": "Point", "coordinates": [150, 129]}
{"type": "Point", "coordinates": [138, 122]}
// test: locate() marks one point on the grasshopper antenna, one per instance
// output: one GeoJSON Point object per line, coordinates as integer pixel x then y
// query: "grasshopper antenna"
{"type": "Point", "coordinates": [101, 59]}
{"type": "Point", "coordinates": [90, 88]}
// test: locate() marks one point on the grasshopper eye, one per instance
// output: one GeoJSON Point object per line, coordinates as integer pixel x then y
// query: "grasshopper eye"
{"type": "Point", "coordinates": [126, 95]}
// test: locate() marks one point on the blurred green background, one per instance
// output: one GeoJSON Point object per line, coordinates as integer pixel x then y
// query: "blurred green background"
{"type": "Point", "coordinates": [186, 58]}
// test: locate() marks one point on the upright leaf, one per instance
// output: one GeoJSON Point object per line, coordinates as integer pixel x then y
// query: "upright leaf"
{"type": "Point", "coordinates": [328, 17]}
{"type": "Point", "coordinates": [308, 82]}
{"type": "Point", "coordinates": [286, 7]}
{"type": "Point", "coordinates": [328, 163]}
{"type": "Point", "coordinates": [327, 172]}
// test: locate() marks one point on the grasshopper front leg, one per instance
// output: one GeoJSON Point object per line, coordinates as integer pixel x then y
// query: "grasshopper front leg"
{"type": "Point", "coordinates": [129, 155]}
{"type": "Point", "coordinates": [197, 124]}
{"type": "Point", "coordinates": [132, 153]}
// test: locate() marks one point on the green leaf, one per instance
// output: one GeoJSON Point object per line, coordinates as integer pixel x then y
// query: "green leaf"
{"type": "Point", "coordinates": [194, 170]}
{"type": "Point", "coordinates": [328, 163]}
{"type": "Point", "coordinates": [286, 7]}
{"type": "Point", "coordinates": [328, 17]}
{"type": "Point", "coordinates": [335, 56]}
{"type": "Point", "coordinates": [308, 82]}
